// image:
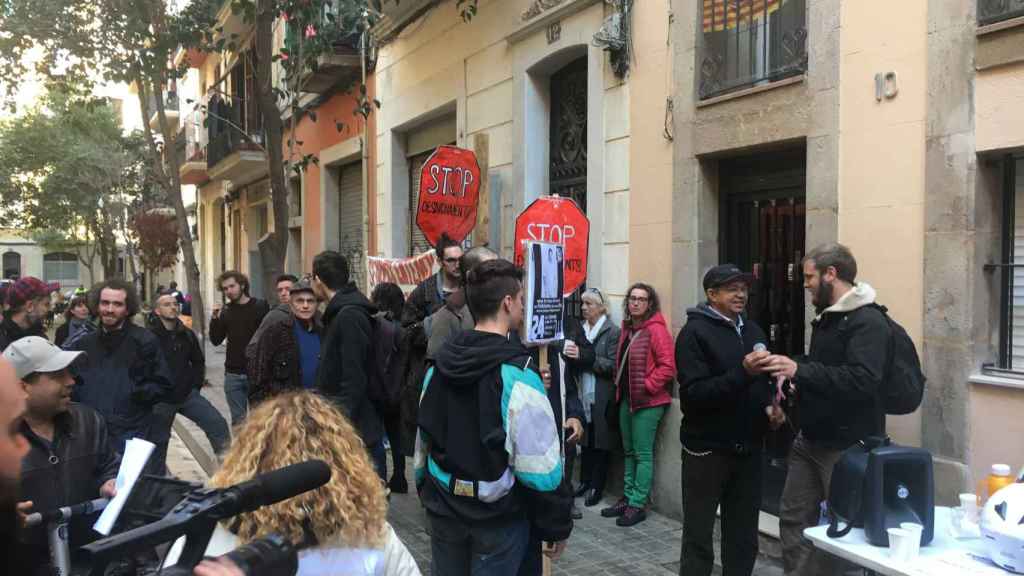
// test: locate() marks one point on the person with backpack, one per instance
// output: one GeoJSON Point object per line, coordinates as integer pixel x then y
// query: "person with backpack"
{"type": "Point", "coordinates": [839, 388]}
{"type": "Point", "coordinates": [347, 375]}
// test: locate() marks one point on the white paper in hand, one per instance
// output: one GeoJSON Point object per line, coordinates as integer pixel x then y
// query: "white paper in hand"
{"type": "Point", "coordinates": [136, 454]}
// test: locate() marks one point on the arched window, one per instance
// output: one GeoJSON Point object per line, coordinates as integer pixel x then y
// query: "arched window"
{"type": "Point", "coordinates": [60, 267]}
{"type": "Point", "coordinates": [12, 264]}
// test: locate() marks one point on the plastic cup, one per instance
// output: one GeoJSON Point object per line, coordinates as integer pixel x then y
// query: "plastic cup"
{"type": "Point", "coordinates": [914, 533]}
{"type": "Point", "coordinates": [969, 504]}
{"type": "Point", "coordinates": [899, 544]}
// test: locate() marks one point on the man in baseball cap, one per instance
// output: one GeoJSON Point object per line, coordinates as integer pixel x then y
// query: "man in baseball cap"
{"type": "Point", "coordinates": [70, 459]}
{"type": "Point", "coordinates": [28, 303]}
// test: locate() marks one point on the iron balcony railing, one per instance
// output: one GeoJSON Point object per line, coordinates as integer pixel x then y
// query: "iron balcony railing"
{"type": "Point", "coordinates": [992, 11]}
{"type": "Point", "coordinates": [744, 43]}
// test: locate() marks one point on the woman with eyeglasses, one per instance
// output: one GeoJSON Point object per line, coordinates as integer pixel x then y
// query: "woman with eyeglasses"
{"type": "Point", "coordinates": [645, 369]}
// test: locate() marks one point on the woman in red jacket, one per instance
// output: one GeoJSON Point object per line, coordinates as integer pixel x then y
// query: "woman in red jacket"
{"type": "Point", "coordinates": [646, 366]}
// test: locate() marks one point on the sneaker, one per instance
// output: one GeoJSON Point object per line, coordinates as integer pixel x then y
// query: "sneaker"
{"type": "Point", "coordinates": [577, 514]}
{"type": "Point", "coordinates": [616, 509]}
{"type": "Point", "coordinates": [593, 498]}
{"type": "Point", "coordinates": [631, 516]}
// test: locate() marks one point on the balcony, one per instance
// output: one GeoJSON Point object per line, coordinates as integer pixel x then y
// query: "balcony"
{"type": "Point", "coordinates": [340, 68]}
{"type": "Point", "coordinates": [746, 43]}
{"type": "Point", "coordinates": [994, 11]}
{"type": "Point", "coordinates": [235, 136]}
{"type": "Point", "coordinates": [170, 110]}
{"type": "Point", "coordinates": [396, 15]}
{"type": "Point", "coordinates": [193, 152]}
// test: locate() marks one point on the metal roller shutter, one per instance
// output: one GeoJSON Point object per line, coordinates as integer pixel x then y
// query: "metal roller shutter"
{"type": "Point", "coordinates": [417, 242]}
{"type": "Point", "coordinates": [350, 226]}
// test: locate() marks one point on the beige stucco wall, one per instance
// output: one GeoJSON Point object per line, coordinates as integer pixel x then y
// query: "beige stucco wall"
{"type": "Point", "coordinates": [999, 118]}
{"type": "Point", "coordinates": [997, 430]}
{"type": "Point", "coordinates": [882, 160]}
{"type": "Point", "coordinates": [493, 79]}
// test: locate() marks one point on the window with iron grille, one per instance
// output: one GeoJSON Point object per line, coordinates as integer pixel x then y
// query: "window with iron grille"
{"type": "Point", "coordinates": [744, 43]}
{"type": "Point", "coordinates": [1010, 271]}
{"type": "Point", "coordinates": [992, 11]}
{"type": "Point", "coordinates": [60, 267]}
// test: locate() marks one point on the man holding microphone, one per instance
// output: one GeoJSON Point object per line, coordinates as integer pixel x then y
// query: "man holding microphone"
{"type": "Point", "coordinates": [727, 403]}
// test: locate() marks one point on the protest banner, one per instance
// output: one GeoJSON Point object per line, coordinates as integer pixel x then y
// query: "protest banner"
{"type": "Point", "coordinates": [406, 272]}
{"type": "Point", "coordinates": [544, 282]}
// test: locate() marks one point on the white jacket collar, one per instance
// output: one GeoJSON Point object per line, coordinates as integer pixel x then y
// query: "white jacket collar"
{"type": "Point", "coordinates": [859, 296]}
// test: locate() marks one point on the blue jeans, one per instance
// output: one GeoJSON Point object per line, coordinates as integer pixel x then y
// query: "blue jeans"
{"type": "Point", "coordinates": [462, 548]}
{"type": "Point", "coordinates": [379, 459]}
{"type": "Point", "coordinates": [199, 410]}
{"type": "Point", "coordinates": [236, 388]}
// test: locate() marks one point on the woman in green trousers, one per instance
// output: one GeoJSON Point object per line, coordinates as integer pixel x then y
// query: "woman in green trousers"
{"type": "Point", "coordinates": [646, 368]}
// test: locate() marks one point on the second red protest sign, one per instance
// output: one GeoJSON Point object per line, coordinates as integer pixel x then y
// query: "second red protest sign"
{"type": "Point", "coordinates": [448, 194]}
{"type": "Point", "coordinates": [557, 220]}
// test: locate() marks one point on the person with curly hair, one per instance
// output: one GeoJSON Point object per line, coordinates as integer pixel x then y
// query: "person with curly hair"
{"type": "Point", "coordinates": [339, 528]}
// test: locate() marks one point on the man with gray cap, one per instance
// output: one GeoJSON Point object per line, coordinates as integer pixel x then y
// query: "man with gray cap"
{"type": "Point", "coordinates": [287, 354]}
{"type": "Point", "coordinates": [70, 459]}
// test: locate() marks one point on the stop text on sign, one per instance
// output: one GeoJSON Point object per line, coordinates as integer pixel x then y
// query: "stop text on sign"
{"type": "Point", "coordinates": [442, 176]}
{"type": "Point", "coordinates": [550, 233]}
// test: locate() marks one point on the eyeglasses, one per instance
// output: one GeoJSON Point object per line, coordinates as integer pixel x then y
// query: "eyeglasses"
{"type": "Point", "coordinates": [639, 299]}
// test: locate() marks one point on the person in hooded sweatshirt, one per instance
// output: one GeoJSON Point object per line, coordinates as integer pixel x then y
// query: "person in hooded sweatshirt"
{"type": "Point", "coordinates": [345, 347]}
{"type": "Point", "coordinates": [727, 403]}
{"type": "Point", "coordinates": [488, 464]}
{"type": "Point", "coordinates": [837, 393]}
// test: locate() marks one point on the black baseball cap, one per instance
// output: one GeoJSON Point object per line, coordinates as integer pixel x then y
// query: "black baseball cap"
{"type": "Point", "coordinates": [724, 274]}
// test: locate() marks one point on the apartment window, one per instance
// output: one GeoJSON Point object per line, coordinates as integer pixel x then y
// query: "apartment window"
{"type": "Point", "coordinates": [60, 267]}
{"type": "Point", "coordinates": [992, 11]}
{"type": "Point", "coordinates": [1011, 270]}
{"type": "Point", "coordinates": [746, 43]}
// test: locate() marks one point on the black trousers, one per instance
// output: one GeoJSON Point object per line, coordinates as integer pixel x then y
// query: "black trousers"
{"type": "Point", "coordinates": [593, 463]}
{"type": "Point", "coordinates": [734, 482]}
{"type": "Point", "coordinates": [393, 428]}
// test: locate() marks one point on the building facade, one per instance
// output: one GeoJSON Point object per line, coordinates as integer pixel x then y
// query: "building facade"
{"type": "Point", "coordinates": [887, 127]}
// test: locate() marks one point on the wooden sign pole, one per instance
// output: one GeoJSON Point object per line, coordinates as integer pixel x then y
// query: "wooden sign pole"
{"type": "Point", "coordinates": [482, 232]}
{"type": "Point", "coordinates": [545, 561]}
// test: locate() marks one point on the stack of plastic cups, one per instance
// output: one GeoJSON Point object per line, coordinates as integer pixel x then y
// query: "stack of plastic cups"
{"type": "Point", "coordinates": [905, 541]}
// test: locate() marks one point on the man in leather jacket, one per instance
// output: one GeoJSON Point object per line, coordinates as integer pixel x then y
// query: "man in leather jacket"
{"type": "Point", "coordinates": [70, 459]}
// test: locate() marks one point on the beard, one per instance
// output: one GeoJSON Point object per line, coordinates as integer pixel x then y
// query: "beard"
{"type": "Point", "coordinates": [823, 297]}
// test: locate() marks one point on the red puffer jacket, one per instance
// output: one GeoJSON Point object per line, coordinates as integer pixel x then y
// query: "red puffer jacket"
{"type": "Point", "coordinates": [652, 364]}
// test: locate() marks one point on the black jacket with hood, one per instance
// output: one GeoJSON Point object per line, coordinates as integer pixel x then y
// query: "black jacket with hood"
{"type": "Point", "coordinates": [464, 430]}
{"type": "Point", "coordinates": [184, 357]}
{"type": "Point", "coordinates": [345, 349]}
{"type": "Point", "coordinates": [723, 406]}
{"type": "Point", "coordinates": [839, 382]}
{"type": "Point", "coordinates": [124, 376]}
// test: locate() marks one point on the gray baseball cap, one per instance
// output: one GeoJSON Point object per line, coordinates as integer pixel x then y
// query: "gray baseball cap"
{"type": "Point", "coordinates": [35, 354]}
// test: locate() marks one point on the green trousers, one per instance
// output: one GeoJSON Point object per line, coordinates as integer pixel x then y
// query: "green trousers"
{"type": "Point", "coordinates": [638, 433]}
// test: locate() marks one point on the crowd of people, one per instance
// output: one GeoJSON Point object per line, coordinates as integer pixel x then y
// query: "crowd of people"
{"type": "Point", "coordinates": [445, 378]}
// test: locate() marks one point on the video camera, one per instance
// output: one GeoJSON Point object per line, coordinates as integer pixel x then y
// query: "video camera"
{"type": "Point", "coordinates": [196, 516]}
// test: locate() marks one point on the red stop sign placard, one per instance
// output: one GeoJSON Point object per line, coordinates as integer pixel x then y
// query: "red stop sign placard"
{"type": "Point", "coordinates": [557, 220]}
{"type": "Point", "coordinates": [448, 195]}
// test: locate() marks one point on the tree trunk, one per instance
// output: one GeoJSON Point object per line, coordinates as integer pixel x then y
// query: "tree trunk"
{"type": "Point", "coordinates": [170, 180]}
{"type": "Point", "coordinates": [273, 246]}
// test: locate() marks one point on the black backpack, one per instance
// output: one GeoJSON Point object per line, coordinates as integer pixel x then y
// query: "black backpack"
{"type": "Point", "coordinates": [904, 379]}
{"type": "Point", "coordinates": [385, 374]}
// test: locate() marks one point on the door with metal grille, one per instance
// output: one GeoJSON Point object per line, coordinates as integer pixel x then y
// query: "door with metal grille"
{"type": "Point", "coordinates": [763, 214]}
{"type": "Point", "coordinates": [568, 149]}
{"type": "Point", "coordinates": [350, 214]}
{"type": "Point", "coordinates": [417, 241]}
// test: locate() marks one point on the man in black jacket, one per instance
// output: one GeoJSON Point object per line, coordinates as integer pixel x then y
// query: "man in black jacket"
{"type": "Point", "coordinates": [186, 362]}
{"type": "Point", "coordinates": [837, 386]}
{"type": "Point", "coordinates": [124, 374]}
{"type": "Point", "coordinates": [345, 366]}
{"type": "Point", "coordinates": [726, 403]}
{"type": "Point", "coordinates": [428, 298]}
{"type": "Point", "coordinates": [70, 459]}
{"type": "Point", "coordinates": [488, 464]}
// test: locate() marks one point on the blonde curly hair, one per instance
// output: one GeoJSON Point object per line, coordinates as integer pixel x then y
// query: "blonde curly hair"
{"type": "Point", "coordinates": [292, 428]}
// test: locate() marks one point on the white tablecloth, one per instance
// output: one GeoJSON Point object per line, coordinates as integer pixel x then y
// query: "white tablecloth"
{"type": "Point", "coordinates": [945, 556]}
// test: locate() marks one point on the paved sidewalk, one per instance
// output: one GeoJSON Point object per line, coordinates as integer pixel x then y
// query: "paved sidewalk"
{"type": "Point", "coordinates": [597, 547]}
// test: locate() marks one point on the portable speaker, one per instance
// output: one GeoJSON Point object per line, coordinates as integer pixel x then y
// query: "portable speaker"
{"type": "Point", "coordinates": [898, 487]}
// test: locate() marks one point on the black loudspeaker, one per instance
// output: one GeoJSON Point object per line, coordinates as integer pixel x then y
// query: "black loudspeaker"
{"type": "Point", "coordinates": [898, 487]}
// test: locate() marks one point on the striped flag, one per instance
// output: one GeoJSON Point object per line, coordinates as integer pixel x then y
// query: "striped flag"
{"type": "Point", "coordinates": [725, 14]}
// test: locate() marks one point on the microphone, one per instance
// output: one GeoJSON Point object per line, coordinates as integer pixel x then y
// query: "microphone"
{"type": "Point", "coordinates": [760, 347]}
{"type": "Point", "coordinates": [780, 380]}
{"type": "Point", "coordinates": [66, 513]}
{"type": "Point", "coordinates": [273, 487]}
{"type": "Point", "coordinates": [197, 514]}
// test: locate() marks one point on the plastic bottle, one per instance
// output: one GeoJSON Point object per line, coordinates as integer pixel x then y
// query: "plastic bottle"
{"type": "Point", "coordinates": [999, 477]}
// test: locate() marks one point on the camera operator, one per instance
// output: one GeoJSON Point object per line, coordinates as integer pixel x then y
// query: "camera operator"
{"type": "Point", "coordinates": [69, 458]}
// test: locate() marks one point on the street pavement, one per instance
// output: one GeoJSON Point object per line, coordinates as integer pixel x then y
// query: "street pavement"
{"type": "Point", "coordinates": [597, 547]}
